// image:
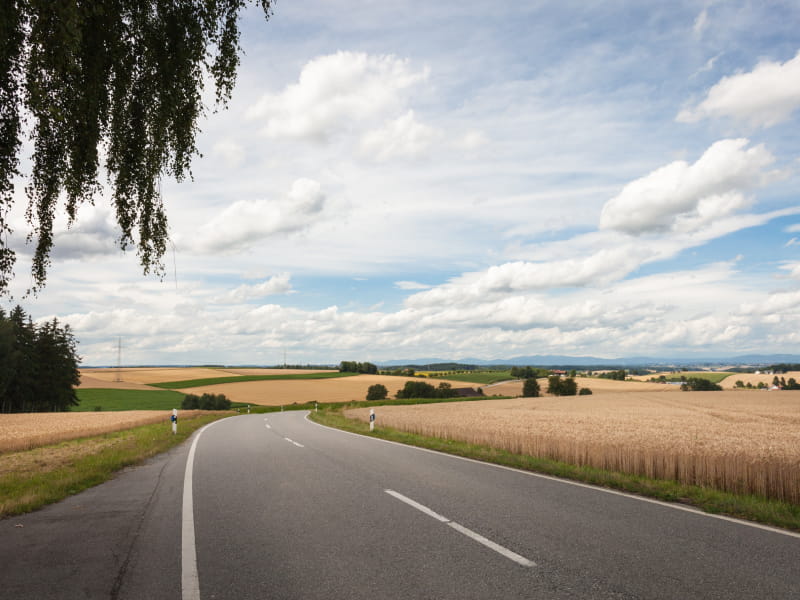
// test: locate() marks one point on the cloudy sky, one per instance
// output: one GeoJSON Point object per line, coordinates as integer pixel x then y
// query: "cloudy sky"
{"type": "Point", "coordinates": [395, 180]}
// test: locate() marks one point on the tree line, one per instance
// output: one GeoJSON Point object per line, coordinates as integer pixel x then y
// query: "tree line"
{"type": "Point", "coordinates": [351, 366]}
{"type": "Point", "coordinates": [38, 365]}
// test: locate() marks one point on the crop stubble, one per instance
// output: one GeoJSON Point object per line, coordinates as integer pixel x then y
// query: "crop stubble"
{"type": "Point", "coordinates": [743, 442]}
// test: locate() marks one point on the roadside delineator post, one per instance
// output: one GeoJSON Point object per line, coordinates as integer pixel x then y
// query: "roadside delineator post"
{"type": "Point", "coordinates": [174, 419]}
{"type": "Point", "coordinates": [316, 407]}
{"type": "Point", "coordinates": [248, 409]}
{"type": "Point", "coordinates": [371, 419]}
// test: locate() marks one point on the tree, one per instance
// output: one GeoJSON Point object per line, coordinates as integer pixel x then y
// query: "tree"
{"type": "Point", "coordinates": [530, 389]}
{"type": "Point", "coordinates": [38, 365]}
{"type": "Point", "coordinates": [699, 384]}
{"type": "Point", "coordinates": [124, 75]}
{"type": "Point", "coordinates": [562, 387]}
{"type": "Point", "coordinates": [377, 392]}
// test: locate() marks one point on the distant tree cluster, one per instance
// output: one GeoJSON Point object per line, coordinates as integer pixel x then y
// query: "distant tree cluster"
{"type": "Point", "coordinates": [351, 366]}
{"type": "Point", "coordinates": [420, 389]}
{"type": "Point", "coordinates": [206, 402]}
{"type": "Point", "coordinates": [528, 372]}
{"type": "Point", "coordinates": [562, 387]}
{"type": "Point", "coordinates": [698, 384]}
{"type": "Point", "coordinates": [404, 372]}
{"type": "Point", "coordinates": [784, 368]}
{"type": "Point", "coordinates": [38, 365]}
{"type": "Point", "coordinates": [616, 375]}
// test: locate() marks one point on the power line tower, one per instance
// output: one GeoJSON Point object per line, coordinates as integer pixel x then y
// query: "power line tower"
{"type": "Point", "coordinates": [118, 378]}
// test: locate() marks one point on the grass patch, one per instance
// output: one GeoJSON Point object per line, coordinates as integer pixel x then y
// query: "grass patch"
{"type": "Point", "coordinates": [102, 399]}
{"type": "Point", "coordinates": [712, 377]}
{"type": "Point", "coordinates": [191, 383]}
{"type": "Point", "coordinates": [753, 508]}
{"type": "Point", "coordinates": [31, 481]}
{"type": "Point", "coordinates": [482, 377]}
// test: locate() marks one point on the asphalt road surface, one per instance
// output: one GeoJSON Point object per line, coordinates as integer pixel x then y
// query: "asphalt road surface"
{"type": "Point", "coordinates": [279, 507]}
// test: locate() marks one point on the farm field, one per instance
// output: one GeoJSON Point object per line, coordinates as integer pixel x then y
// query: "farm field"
{"type": "Point", "coordinates": [514, 388]}
{"type": "Point", "coordinates": [21, 431]}
{"type": "Point", "coordinates": [754, 379]}
{"type": "Point", "coordinates": [713, 376]}
{"type": "Point", "coordinates": [300, 391]}
{"type": "Point", "coordinates": [737, 441]}
{"type": "Point", "coordinates": [123, 399]}
{"type": "Point", "coordinates": [147, 375]}
{"type": "Point", "coordinates": [479, 377]}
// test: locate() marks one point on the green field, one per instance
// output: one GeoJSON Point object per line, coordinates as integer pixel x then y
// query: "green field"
{"type": "Point", "coordinates": [712, 377]}
{"type": "Point", "coordinates": [91, 399]}
{"type": "Point", "coordinates": [481, 377]}
{"type": "Point", "coordinates": [191, 383]}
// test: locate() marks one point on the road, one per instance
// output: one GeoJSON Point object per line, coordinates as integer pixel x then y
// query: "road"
{"type": "Point", "coordinates": [284, 508]}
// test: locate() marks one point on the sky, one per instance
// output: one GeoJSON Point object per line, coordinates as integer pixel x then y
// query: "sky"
{"type": "Point", "coordinates": [450, 179]}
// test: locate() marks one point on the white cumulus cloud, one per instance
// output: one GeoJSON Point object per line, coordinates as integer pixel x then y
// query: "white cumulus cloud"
{"type": "Point", "coordinates": [683, 197]}
{"type": "Point", "coordinates": [334, 91]}
{"type": "Point", "coordinates": [404, 137]}
{"type": "Point", "coordinates": [765, 96]}
{"type": "Point", "coordinates": [246, 222]}
{"type": "Point", "coordinates": [277, 284]}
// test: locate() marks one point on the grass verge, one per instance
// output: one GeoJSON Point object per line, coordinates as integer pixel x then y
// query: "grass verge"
{"type": "Point", "coordinates": [35, 478]}
{"type": "Point", "coordinates": [752, 508]}
{"type": "Point", "coordinates": [191, 383]}
{"type": "Point", "coordinates": [103, 399]}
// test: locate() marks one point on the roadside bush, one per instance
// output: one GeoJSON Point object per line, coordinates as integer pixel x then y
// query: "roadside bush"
{"type": "Point", "coordinates": [190, 402]}
{"type": "Point", "coordinates": [584, 392]}
{"type": "Point", "coordinates": [377, 392]}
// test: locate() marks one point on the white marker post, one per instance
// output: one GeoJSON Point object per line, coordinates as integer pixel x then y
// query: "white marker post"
{"type": "Point", "coordinates": [174, 419]}
{"type": "Point", "coordinates": [248, 409]}
{"type": "Point", "coordinates": [316, 408]}
{"type": "Point", "coordinates": [371, 419]}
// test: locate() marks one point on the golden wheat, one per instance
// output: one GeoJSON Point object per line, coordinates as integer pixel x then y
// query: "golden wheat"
{"type": "Point", "coordinates": [22, 431]}
{"type": "Point", "coordinates": [744, 442]}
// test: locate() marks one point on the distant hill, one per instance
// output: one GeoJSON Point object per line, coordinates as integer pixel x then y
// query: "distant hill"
{"type": "Point", "coordinates": [585, 361]}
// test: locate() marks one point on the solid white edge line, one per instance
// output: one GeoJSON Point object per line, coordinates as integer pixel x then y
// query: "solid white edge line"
{"type": "Point", "coordinates": [190, 582]}
{"type": "Point", "coordinates": [520, 560]}
{"type": "Point", "coordinates": [688, 509]}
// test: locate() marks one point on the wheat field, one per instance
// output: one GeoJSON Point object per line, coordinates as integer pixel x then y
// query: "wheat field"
{"type": "Point", "coordinates": [743, 442]}
{"type": "Point", "coordinates": [299, 391]}
{"type": "Point", "coordinates": [22, 431]}
{"type": "Point", "coordinates": [597, 385]}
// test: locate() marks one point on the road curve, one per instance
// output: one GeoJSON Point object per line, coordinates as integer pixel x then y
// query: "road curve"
{"type": "Point", "coordinates": [285, 508]}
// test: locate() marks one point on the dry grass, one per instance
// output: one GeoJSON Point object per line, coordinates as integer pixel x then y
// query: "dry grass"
{"type": "Point", "coordinates": [300, 391]}
{"type": "Point", "coordinates": [22, 431]}
{"type": "Point", "coordinates": [743, 442]}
